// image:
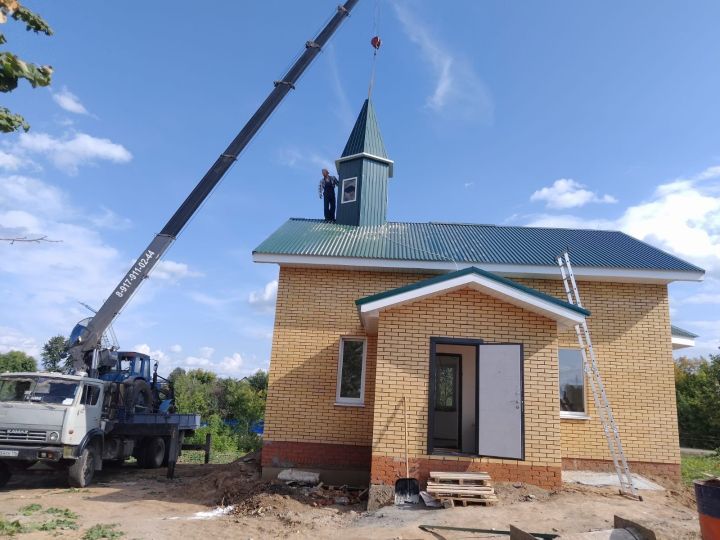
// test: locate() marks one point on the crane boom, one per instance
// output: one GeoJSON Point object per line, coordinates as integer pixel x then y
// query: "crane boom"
{"type": "Point", "coordinates": [89, 338]}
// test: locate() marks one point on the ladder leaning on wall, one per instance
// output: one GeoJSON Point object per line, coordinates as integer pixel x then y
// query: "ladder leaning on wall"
{"type": "Point", "coordinates": [602, 404]}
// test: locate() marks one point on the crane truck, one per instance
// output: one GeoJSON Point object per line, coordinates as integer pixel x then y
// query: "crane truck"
{"type": "Point", "coordinates": [111, 406]}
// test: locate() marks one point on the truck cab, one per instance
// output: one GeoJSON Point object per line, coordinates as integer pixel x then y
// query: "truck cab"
{"type": "Point", "coordinates": [49, 417]}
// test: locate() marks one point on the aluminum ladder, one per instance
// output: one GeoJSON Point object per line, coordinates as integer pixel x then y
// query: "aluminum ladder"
{"type": "Point", "coordinates": [602, 404]}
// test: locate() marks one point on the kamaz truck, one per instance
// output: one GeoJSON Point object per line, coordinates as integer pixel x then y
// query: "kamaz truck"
{"type": "Point", "coordinates": [78, 423]}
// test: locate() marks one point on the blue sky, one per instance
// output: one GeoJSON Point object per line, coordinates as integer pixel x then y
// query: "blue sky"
{"type": "Point", "coordinates": [592, 114]}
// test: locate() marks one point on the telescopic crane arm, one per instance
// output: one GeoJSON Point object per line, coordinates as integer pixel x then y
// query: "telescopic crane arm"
{"type": "Point", "coordinates": [90, 337]}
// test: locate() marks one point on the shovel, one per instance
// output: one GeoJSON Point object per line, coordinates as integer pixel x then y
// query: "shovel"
{"type": "Point", "coordinates": [407, 490]}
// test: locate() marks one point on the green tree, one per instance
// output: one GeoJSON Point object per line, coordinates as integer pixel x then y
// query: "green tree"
{"type": "Point", "coordinates": [55, 355]}
{"type": "Point", "coordinates": [697, 387]}
{"type": "Point", "coordinates": [12, 68]}
{"type": "Point", "coordinates": [17, 361]}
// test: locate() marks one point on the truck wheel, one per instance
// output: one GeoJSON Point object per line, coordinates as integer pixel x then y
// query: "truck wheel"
{"type": "Point", "coordinates": [142, 399]}
{"type": "Point", "coordinates": [80, 473]}
{"type": "Point", "coordinates": [4, 474]}
{"type": "Point", "coordinates": [154, 453]}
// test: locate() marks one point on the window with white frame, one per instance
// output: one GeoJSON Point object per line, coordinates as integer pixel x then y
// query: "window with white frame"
{"type": "Point", "coordinates": [572, 383]}
{"type": "Point", "coordinates": [349, 190]}
{"type": "Point", "coordinates": [351, 371]}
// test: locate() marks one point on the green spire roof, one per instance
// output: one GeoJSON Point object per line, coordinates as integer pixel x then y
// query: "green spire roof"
{"type": "Point", "coordinates": [365, 136]}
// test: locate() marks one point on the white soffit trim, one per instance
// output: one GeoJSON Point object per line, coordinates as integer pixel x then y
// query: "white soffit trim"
{"type": "Point", "coordinates": [618, 275]}
{"type": "Point", "coordinates": [370, 312]}
{"type": "Point", "coordinates": [389, 162]}
{"type": "Point", "coordinates": [682, 342]}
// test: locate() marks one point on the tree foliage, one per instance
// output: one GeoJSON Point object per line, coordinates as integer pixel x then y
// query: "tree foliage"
{"type": "Point", "coordinates": [697, 386]}
{"type": "Point", "coordinates": [13, 68]}
{"type": "Point", "coordinates": [229, 407]}
{"type": "Point", "coordinates": [54, 354]}
{"type": "Point", "coordinates": [15, 361]}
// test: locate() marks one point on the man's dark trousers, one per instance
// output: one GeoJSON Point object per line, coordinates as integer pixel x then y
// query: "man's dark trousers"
{"type": "Point", "coordinates": [329, 203]}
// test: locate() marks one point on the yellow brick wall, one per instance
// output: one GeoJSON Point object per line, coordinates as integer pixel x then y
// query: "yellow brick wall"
{"type": "Point", "coordinates": [630, 328]}
{"type": "Point", "coordinates": [403, 365]}
{"type": "Point", "coordinates": [315, 307]}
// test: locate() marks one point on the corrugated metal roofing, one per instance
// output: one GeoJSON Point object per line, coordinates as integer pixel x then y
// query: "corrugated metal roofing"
{"type": "Point", "coordinates": [469, 243]}
{"type": "Point", "coordinates": [677, 331]}
{"type": "Point", "coordinates": [365, 135]}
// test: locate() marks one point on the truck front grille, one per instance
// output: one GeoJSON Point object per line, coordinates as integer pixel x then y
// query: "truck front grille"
{"type": "Point", "coordinates": [22, 435]}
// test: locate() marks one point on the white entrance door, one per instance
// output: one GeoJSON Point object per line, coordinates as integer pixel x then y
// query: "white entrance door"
{"type": "Point", "coordinates": [500, 402]}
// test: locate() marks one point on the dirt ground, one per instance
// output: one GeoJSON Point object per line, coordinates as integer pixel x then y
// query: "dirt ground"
{"type": "Point", "coordinates": [145, 504]}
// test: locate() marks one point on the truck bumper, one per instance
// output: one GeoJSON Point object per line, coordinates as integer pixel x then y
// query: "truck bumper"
{"type": "Point", "coordinates": [30, 453]}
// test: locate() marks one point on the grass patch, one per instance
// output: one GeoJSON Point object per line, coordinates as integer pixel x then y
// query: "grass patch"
{"type": "Point", "coordinates": [695, 467]}
{"type": "Point", "coordinates": [11, 528]}
{"type": "Point", "coordinates": [198, 456]}
{"type": "Point", "coordinates": [30, 509]}
{"type": "Point", "coordinates": [64, 513]}
{"type": "Point", "coordinates": [57, 523]}
{"type": "Point", "coordinates": [96, 532]}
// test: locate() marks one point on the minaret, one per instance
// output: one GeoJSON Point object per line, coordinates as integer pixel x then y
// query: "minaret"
{"type": "Point", "coordinates": [363, 171]}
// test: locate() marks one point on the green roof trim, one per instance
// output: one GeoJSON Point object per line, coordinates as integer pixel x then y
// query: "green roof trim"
{"type": "Point", "coordinates": [677, 331]}
{"type": "Point", "coordinates": [479, 272]}
{"type": "Point", "coordinates": [365, 136]}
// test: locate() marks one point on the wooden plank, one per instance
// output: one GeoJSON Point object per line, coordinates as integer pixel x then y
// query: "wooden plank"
{"type": "Point", "coordinates": [460, 476]}
{"type": "Point", "coordinates": [433, 489]}
{"type": "Point", "coordinates": [483, 496]}
{"type": "Point", "coordinates": [451, 487]}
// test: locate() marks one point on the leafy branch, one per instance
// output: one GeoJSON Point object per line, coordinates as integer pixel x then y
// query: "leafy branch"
{"type": "Point", "coordinates": [12, 68]}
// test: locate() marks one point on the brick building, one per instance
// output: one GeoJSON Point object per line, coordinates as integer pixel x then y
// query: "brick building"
{"type": "Point", "coordinates": [469, 325]}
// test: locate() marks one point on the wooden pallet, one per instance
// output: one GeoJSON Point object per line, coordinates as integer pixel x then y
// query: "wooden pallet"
{"type": "Point", "coordinates": [465, 488]}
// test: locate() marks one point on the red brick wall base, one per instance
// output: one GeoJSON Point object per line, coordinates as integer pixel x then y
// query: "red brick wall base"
{"type": "Point", "coordinates": [315, 455]}
{"type": "Point", "coordinates": [664, 470]}
{"type": "Point", "coordinates": [385, 470]}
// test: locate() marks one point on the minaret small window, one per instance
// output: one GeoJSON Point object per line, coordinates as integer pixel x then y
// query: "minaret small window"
{"type": "Point", "coordinates": [349, 190]}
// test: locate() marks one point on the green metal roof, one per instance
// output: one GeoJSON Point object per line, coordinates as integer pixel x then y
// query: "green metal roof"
{"type": "Point", "coordinates": [365, 135]}
{"type": "Point", "coordinates": [469, 244]}
{"type": "Point", "coordinates": [479, 272]}
{"type": "Point", "coordinates": [677, 331]}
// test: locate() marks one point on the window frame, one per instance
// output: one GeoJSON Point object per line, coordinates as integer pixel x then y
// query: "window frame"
{"type": "Point", "coordinates": [342, 190]}
{"type": "Point", "coordinates": [347, 401]}
{"type": "Point", "coordinates": [574, 415]}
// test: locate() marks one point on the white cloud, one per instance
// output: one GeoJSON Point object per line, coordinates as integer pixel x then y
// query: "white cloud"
{"type": "Point", "coordinates": [457, 86]}
{"type": "Point", "coordinates": [231, 364]}
{"type": "Point", "coordinates": [207, 352]}
{"type": "Point", "coordinates": [173, 271]}
{"type": "Point", "coordinates": [306, 160]}
{"type": "Point", "coordinates": [157, 355]}
{"type": "Point", "coordinates": [264, 299]}
{"type": "Point", "coordinates": [9, 162]}
{"type": "Point", "coordinates": [176, 348]}
{"type": "Point", "coordinates": [69, 101]}
{"type": "Point", "coordinates": [107, 219]}
{"type": "Point", "coordinates": [342, 109]}
{"type": "Point", "coordinates": [12, 339]}
{"type": "Point", "coordinates": [68, 153]}
{"type": "Point", "coordinates": [567, 193]}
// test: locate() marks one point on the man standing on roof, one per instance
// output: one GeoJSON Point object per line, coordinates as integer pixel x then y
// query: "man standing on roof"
{"type": "Point", "coordinates": [326, 191]}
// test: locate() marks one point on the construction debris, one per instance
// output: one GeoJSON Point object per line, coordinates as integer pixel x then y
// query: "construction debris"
{"type": "Point", "coordinates": [302, 477]}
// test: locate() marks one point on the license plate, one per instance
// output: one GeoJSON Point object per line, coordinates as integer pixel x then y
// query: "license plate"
{"type": "Point", "coordinates": [9, 453]}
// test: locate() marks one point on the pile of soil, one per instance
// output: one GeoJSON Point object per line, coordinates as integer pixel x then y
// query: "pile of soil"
{"type": "Point", "coordinates": [239, 484]}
